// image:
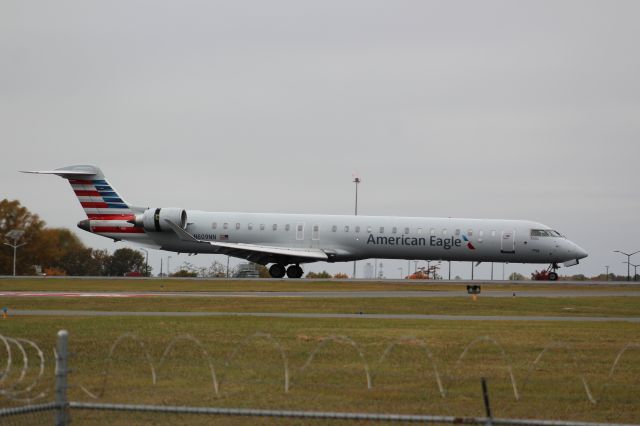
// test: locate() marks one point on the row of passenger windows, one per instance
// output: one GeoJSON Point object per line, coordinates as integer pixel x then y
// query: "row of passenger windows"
{"type": "Point", "coordinates": [357, 229]}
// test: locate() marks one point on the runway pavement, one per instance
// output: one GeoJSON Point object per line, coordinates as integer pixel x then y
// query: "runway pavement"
{"type": "Point", "coordinates": [335, 294]}
{"type": "Point", "coordinates": [79, 313]}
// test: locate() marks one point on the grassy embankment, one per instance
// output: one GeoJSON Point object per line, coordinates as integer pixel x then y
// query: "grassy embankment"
{"type": "Point", "coordinates": [587, 306]}
{"type": "Point", "coordinates": [250, 371]}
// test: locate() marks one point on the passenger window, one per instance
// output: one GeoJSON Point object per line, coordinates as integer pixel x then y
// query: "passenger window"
{"type": "Point", "coordinates": [419, 230]}
{"type": "Point", "coordinates": [406, 230]}
{"type": "Point", "coordinates": [237, 226]}
{"type": "Point", "coordinates": [275, 226]}
{"type": "Point", "coordinates": [346, 228]}
{"type": "Point", "coordinates": [287, 227]}
{"type": "Point", "coordinates": [357, 229]}
{"type": "Point", "coordinates": [262, 226]}
{"type": "Point", "coordinates": [382, 229]}
{"type": "Point", "coordinates": [250, 226]}
{"type": "Point", "coordinates": [214, 225]}
{"type": "Point", "coordinates": [300, 227]}
{"type": "Point", "coordinates": [432, 231]}
{"type": "Point", "coordinates": [394, 230]}
{"type": "Point", "coordinates": [368, 229]}
{"type": "Point", "coordinates": [334, 228]}
{"type": "Point", "coordinates": [470, 232]}
{"type": "Point", "coordinates": [444, 231]}
{"type": "Point", "coordinates": [225, 226]}
{"type": "Point", "coordinates": [480, 236]}
{"type": "Point", "coordinates": [457, 232]}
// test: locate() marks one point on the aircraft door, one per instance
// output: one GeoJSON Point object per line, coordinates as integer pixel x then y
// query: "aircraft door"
{"type": "Point", "coordinates": [508, 242]}
{"type": "Point", "coordinates": [300, 231]}
{"type": "Point", "coordinates": [315, 235]}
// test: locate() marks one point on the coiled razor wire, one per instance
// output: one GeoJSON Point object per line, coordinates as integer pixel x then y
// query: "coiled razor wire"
{"type": "Point", "coordinates": [13, 392]}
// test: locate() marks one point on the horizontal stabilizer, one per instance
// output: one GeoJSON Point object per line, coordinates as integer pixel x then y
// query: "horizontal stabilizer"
{"type": "Point", "coordinates": [71, 172]}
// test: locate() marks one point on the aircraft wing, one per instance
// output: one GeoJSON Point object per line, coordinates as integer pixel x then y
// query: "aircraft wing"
{"type": "Point", "coordinates": [256, 252]}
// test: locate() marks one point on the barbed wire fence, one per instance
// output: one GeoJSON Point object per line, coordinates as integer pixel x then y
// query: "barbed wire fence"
{"type": "Point", "coordinates": [37, 408]}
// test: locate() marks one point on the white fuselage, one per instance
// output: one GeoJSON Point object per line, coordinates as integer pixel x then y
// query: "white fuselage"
{"type": "Point", "coordinates": [359, 237]}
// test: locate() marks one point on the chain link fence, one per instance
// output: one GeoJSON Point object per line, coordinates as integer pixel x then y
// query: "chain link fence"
{"type": "Point", "coordinates": [63, 411]}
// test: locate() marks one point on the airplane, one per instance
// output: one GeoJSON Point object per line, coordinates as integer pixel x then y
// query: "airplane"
{"type": "Point", "coordinates": [286, 241]}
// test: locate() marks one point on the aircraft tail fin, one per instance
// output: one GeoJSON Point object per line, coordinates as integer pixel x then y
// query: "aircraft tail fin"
{"type": "Point", "coordinates": [97, 197]}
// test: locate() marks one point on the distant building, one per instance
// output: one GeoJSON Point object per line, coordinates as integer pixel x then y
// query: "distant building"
{"type": "Point", "coordinates": [368, 271]}
{"type": "Point", "coordinates": [247, 270]}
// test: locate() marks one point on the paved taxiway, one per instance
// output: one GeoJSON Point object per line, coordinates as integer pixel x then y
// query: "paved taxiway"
{"type": "Point", "coordinates": [70, 313]}
{"type": "Point", "coordinates": [332, 294]}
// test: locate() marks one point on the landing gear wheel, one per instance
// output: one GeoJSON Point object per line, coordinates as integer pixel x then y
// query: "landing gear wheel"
{"type": "Point", "coordinates": [276, 270]}
{"type": "Point", "coordinates": [294, 271]}
{"type": "Point", "coordinates": [553, 276]}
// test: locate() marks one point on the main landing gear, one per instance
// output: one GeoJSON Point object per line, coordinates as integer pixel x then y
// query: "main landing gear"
{"type": "Point", "coordinates": [278, 270]}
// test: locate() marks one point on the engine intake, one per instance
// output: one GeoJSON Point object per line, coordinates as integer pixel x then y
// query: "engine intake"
{"type": "Point", "coordinates": [153, 220]}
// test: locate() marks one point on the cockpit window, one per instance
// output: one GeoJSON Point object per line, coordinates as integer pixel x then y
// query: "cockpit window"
{"type": "Point", "coordinates": [545, 233]}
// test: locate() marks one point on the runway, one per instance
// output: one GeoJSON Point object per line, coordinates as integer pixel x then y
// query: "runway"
{"type": "Point", "coordinates": [333, 294]}
{"type": "Point", "coordinates": [77, 313]}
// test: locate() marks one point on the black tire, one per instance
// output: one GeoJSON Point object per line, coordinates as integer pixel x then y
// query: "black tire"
{"type": "Point", "coordinates": [294, 271]}
{"type": "Point", "coordinates": [553, 276]}
{"type": "Point", "coordinates": [277, 271]}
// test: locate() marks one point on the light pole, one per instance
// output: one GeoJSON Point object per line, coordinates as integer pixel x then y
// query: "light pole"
{"type": "Point", "coordinates": [146, 262]}
{"type": "Point", "coordinates": [449, 270]}
{"type": "Point", "coordinates": [607, 276]}
{"type": "Point", "coordinates": [628, 262]}
{"type": "Point", "coordinates": [15, 235]}
{"type": "Point", "coordinates": [168, 265]}
{"type": "Point", "coordinates": [357, 181]}
{"type": "Point", "coordinates": [400, 269]}
{"type": "Point", "coordinates": [635, 270]}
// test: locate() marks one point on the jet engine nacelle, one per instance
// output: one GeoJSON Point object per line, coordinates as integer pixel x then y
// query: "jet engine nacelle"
{"type": "Point", "coordinates": [153, 220]}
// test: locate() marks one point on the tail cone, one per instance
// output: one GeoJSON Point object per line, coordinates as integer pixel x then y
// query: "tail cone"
{"type": "Point", "coordinates": [84, 225]}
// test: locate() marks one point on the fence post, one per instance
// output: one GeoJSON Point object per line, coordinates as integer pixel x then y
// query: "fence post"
{"type": "Point", "coordinates": [485, 396]}
{"type": "Point", "coordinates": [61, 378]}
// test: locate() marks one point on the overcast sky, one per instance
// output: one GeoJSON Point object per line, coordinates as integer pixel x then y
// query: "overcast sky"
{"type": "Point", "coordinates": [500, 109]}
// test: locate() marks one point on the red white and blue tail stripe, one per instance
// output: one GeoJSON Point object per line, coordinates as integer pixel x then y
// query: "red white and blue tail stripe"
{"type": "Point", "coordinates": [107, 211]}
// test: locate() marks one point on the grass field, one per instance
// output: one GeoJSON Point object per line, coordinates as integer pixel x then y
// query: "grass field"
{"type": "Point", "coordinates": [194, 285]}
{"type": "Point", "coordinates": [586, 306]}
{"type": "Point", "coordinates": [326, 358]}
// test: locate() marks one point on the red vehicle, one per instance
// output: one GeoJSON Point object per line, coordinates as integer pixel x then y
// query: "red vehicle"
{"type": "Point", "coordinates": [545, 275]}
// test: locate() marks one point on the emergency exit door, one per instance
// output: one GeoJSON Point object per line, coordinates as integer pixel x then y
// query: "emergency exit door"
{"type": "Point", "coordinates": [508, 242]}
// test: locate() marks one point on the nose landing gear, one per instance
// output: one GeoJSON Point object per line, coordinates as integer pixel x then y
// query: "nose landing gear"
{"type": "Point", "coordinates": [548, 274]}
{"type": "Point", "coordinates": [553, 275]}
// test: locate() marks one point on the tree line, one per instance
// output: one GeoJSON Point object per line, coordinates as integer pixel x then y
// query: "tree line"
{"type": "Point", "coordinates": [58, 251]}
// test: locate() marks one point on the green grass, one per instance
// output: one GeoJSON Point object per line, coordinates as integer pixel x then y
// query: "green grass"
{"type": "Point", "coordinates": [404, 382]}
{"type": "Point", "coordinates": [249, 366]}
{"type": "Point", "coordinates": [586, 306]}
{"type": "Point", "coordinates": [174, 284]}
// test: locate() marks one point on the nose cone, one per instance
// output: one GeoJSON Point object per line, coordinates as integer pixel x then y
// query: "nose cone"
{"type": "Point", "coordinates": [579, 251]}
